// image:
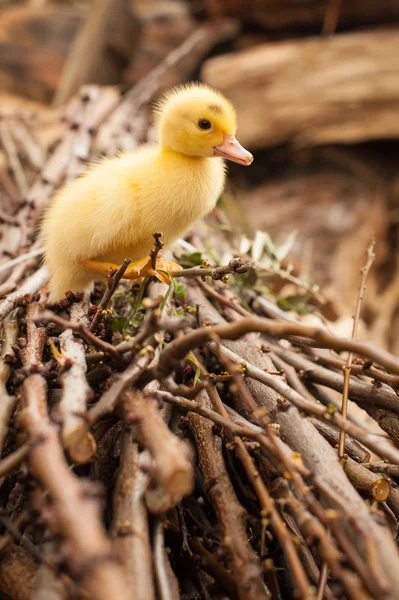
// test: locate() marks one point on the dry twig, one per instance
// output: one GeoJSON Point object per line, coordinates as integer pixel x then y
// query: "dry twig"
{"type": "Point", "coordinates": [172, 476]}
{"type": "Point", "coordinates": [347, 368]}
{"type": "Point", "coordinates": [113, 280]}
{"type": "Point", "coordinates": [79, 444]}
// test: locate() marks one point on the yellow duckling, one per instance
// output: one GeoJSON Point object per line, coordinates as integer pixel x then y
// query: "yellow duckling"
{"type": "Point", "coordinates": [112, 211]}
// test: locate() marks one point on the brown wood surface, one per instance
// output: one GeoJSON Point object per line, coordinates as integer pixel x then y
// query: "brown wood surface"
{"type": "Point", "coordinates": [101, 49]}
{"type": "Point", "coordinates": [34, 44]}
{"type": "Point", "coordinates": [313, 91]}
{"type": "Point", "coordinates": [274, 15]}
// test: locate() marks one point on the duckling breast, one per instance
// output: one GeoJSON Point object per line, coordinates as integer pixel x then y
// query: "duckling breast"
{"type": "Point", "coordinates": [182, 191]}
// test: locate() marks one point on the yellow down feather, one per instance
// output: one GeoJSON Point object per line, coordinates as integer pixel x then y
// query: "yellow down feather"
{"type": "Point", "coordinates": [111, 212]}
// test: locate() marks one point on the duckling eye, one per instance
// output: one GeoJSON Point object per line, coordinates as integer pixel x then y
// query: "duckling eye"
{"type": "Point", "coordinates": [204, 124]}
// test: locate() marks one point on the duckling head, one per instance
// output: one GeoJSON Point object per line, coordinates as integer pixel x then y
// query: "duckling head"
{"type": "Point", "coordinates": [198, 121]}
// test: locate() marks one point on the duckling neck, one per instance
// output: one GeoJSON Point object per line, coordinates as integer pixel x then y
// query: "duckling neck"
{"type": "Point", "coordinates": [168, 154]}
{"type": "Point", "coordinates": [195, 182]}
{"type": "Point", "coordinates": [205, 175]}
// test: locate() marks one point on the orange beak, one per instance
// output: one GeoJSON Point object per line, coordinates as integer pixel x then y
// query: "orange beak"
{"type": "Point", "coordinates": [232, 150]}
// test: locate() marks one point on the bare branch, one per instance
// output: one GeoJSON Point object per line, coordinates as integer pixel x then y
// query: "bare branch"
{"type": "Point", "coordinates": [86, 548]}
{"type": "Point", "coordinates": [172, 474]}
{"type": "Point", "coordinates": [347, 368]}
{"type": "Point", "coordinates": [218, 485]}
{"type": "Point", "coordinates": [130, 522]}
{"type": "Point", "coordinates": [178, 349]}
{"type": "Point", "coordinates": [30, 286]}
{"type": "Point", "coordinates": [236, 265]}
{"type": "Point", "coordinates": [113, 280]}
{"type": "Point", "coordinates": [10, 332]}
{"type": "Point", "coordinates": [80, 445]}
{"type": "Point", "coordinates": [370, 440]}
{"type": "Point", "coordinates": [13, 460]}
{"type": "Point", "coordinates": [122, 381]}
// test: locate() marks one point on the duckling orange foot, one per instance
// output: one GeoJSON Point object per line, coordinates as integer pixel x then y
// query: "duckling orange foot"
{"type": "Point", "coordinates": [144, 268]}
{"type": "Point", "coordinates": [98, 266]}
{"type": "Point", "coordinates": [136, 270]}
{"type": "Point", "coordinates": [104, 268]}
{"type": "Point", "coordinates": [167, 267]}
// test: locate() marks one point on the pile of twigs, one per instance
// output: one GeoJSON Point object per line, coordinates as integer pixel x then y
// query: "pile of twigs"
{"type": "Point", "coordinates": [178, 442]}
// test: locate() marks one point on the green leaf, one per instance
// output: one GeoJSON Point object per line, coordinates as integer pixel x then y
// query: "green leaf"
{"type": "Point", "coordinates": [300, 303]}
{"type": "Point", "coordinates": [139, 296]}
{"type": "Point", "coordinates": [118, 324]}
{"type": "Point", "coordinates": [263, 289]}
{"type": "Point", "coordinates": [193, 361]}
{"type": "Point", "coordinates": [179, 292]}
{"type": "Point", "coordinates": [197, 375]}
{"type": "Point", "coordinates": [285, 248]}
{"type": "Point", "coordinates": [191, 260]}
{"type": "Point", "coordinates": [262, 244]}
{"type": "Point", "coordinates": [166, 297]}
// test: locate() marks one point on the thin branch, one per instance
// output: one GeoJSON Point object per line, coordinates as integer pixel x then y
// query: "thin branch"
{"type": "Point", "coordinates": [82, 330]}
{"type": "Point", "coordinates": [358, 368]}
{"type": "Point", "coordinates": [368, 396]}
{"type": "Point", "coordinates": [121, 382]}
{"type": "Point", "coordinates": [30, 286]}
{"type": "Point", "coordinates": [321, 587]}
{"type": "Point", "coordinates": [347, 371]}
{"type": "Point", "coordinates": [179, 348]}
{"type": "Point", "coordinates": [13, 159]}
{"type": "Point", "coordinates": [236, 265]}
{"type": "Point", "coordinates": [130, 519]}
{"type": "Point", "coordinates": [165, 588]}
{"type": "Point", "coordinates": [158, 245]}
{"type": "Point", "coordinates": [269, 510]}
{"type": "Point", "coordinates": [352, 447]}
{"type": "Point", "coordinates": [86, 547]}
{"type": "Point", "coordinates": [288, 276]}
{"type": "Point", "coordinates": [172, 475]}
{"type": "Point", "coordinates": [20, 259]}
{"type": "Point", "coordinates": [113, 280]}
{"type": "Point", "coordinates": [217, 483]}
{"type": "Point", "coordinates": [326, 545]}
{"type": "Point", "coordinates": [79, 444]}
{"type": "Point", "coordinates": [7, 401]}
{"type": "Point", "coordinates": [154, 322]}
{"type": "Point", "coordinates": [382, 467]}
{"type": "Point", "coordinates": [210, 292]}
{"type": "Point", "coordinates": [224, 422]}
{"type": "Point", "coordinates": [16, 458]}
{"type": "Point", "coordinates": [347, 368]}
{"type": "Point", "coordinates": [370, 440]}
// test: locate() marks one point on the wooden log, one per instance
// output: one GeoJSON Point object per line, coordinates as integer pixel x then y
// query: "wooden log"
{"type": "Point", "coordinates": [34, 43]}
{"type": "Point", "coordinates": [55, 49]}
{"type": "Point", "coordinates": [102, 48]}
{"type": "Point", "coordinates": [314, 91]}
{"type": "Point", "coordinates": [295, 14]}
{"type": "Point", "coordinates": [165, 27]}
{"type": "Point", "coordinates": [18, 572]}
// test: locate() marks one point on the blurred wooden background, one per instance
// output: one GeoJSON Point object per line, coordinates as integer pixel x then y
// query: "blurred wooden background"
{"type": "Point", "coordinates": [316, 87]}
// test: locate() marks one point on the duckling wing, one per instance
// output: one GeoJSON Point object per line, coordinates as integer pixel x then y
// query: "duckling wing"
{"type": "Point", "coordinates": [96, 212]}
